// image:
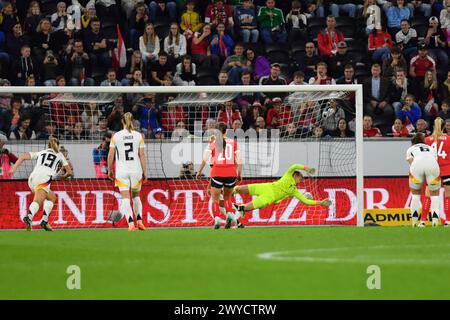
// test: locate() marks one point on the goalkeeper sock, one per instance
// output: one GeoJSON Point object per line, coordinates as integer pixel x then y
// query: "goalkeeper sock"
{"type": "Point", "coordinates": [446, 209]}
{"type": "Point", "coordinates": [48, 206]}
{"type": "Point", "coordinates": [127, 211]}
{"type": "Point", "coordinates": [32, 209]}
{"type": "Point", "coordinates": [137, 206]}
{"type": "Point", "coordinates": [415, 205]}
{"type": "Point", "coordinates": [425, 208]}
{"type": "Point", "coordinates": [435, 207]}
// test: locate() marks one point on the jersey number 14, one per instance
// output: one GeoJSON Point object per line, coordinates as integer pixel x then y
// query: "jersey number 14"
{"type": "Point", "coordinates": [440, 153]}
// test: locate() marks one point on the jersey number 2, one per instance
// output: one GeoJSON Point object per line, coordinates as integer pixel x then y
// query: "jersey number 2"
{"type": "Point", "coordinates": [129, 157]}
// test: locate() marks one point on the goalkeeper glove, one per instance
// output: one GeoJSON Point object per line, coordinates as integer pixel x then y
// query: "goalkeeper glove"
{"type": "Point", "coordinates": [310, 171]}
{"type": "Point", "coordinates": [325, 202]}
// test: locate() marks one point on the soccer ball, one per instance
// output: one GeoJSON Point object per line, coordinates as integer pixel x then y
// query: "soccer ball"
{"type": "Point", "coordinates": [308, 195]}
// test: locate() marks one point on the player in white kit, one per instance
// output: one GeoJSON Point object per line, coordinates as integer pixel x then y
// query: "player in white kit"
{"type": "Point", "coordinates": [49, 163]}
{"type": "Point", "coordinates": [128, 147]}
{"type": "Point", "coordinates": [423, 167]}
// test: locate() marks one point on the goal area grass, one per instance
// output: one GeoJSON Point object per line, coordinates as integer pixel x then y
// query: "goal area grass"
{"type": "Point", "coordinates": [251, 263]}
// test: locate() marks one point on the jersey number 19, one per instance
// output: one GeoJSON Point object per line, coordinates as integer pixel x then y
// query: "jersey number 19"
{"type": "Point", "coordinates": [48, 159]}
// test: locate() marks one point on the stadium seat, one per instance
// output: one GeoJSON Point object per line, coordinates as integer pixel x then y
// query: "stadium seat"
{"type": "Point", "coordinates": [278, 52]}
{"type": "Point", "coordinates": [298, 46]}
{"type": "Point", "coordinates": [348, 31]}
{"type": "Point", "coordinates": [356, 45]}
{"type": "Point", "coordinates": [162, 31]}
{"type": "Point", "coordinates": [415, 21]}
{"type": "Point", "coordinates": [110, 32]}
{"type": "Point", "coordinates": [48, 7]}
{"type": "Point", "coordinates": [421, 30]}
{"type": "Point", "coordinates": [317, 21]}
{"type": "Point", "coordinates": [314, 30]}
{"type": "Point", "coordinates": [205, 71]}
{"type": "Point", "coordinates": [207, 80]}
{"type": "Point", "coordinates": [345, 21]}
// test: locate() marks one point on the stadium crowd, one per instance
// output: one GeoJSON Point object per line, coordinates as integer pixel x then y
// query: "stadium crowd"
{"type": "Point", "coordinates": [398, 49]}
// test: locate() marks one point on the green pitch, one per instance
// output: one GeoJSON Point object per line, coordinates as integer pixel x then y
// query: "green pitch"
{"type": "Point", "coordinates": [308, 263]}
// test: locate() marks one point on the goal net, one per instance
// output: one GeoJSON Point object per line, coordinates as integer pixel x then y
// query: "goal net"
{"type": "Point", "coordinates": [275, 127]}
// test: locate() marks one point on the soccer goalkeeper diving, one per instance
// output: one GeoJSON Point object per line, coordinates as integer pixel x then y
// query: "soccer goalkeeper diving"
{"type": "Point", "coordinates": [275, 192]}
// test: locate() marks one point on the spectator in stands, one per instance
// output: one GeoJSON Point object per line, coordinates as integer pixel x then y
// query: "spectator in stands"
{"type": "Point", "coordinates": [148, 113]}
{"type": "Point", "coordinates": [290, 132]}
{"type": "Point", "coordinates": [245, 19]}
{"type": "Point", "coordinates": [436, 41]}
{"type": "Point", "coordinates": [108, 8]}
{"type": "Point", "coordinates": [273, 79]}
{"type": "Point", "coordinates": [444, 113]}
{"type": "Point", "coordinates": [235, 64]}
{"type": "Point", "coordinates": [444, 16]}
{"type": "Point", "coordinates": [298, 78]}
{"type": "Point", "coordinates": [96, 45]}
{"type": "Point", "coordinates": [376, 93]}
{"type": "Point", "coordinates": [428, 97]}
{"type": "Point", "coordinates": [260, 124]}
{"type": "Point", "coordinates": [219, 13]}
{"type": "Point", "coordinates": [421, 6]}
{"type": "Point", "coordinates": [221, 43]}
{"type": "Point", "coordinates": [60, 19]}
{"type": "Point", "coordinates": [190, 20]}
{"type": "Point", "coordinates": [309, 60]}
{"type": "Point", "coordinates": [135, 63]}
{"type": "Point", "coordinates": [137, 24]}
{"type": "Point", "coordinates": [444, 88]}
{"type": "Point", "coordinates": [422, 126]}
{"type": "Point", "coordinates": [246, 99]}
{"type": "Point", "coordinates": [201, 49]}
{"type": "Point", "coordinates": [114, 118]}
{"type": "Point", "coordinates": [180, 132]}
{"type": "Point", "coordinates": [111, 79]}
{"type": "Point", "coordinates": [317, 132]}
{"type": "Point", "coordinates": [34, 16]}
{"type": "Point", "coordinates": [77, 132]}
{"type": "Point", "coordinates": [15, 41]}
{"type": "Point", "coordinates": [447, 127]}
{"type": "Point", "coordinates": [259, 65]}
{"type": "Point", "coordinates": [307, 117]}
{"type": "Point", "coordinates": [395, 14]}
{"type": "Point", "coordinates": [399, 89]}
{"type": "Point", "coordinates": [171, 116]}
{"type": "Point", "coordinates": [349, 75]}
{"type": "Point", "coordinates": [42, 40]}
{"type": "Point", "coordinates": [331, 115]}
{"type": "Point", "coordinates": [4, 57]}
{"type": "Point", "coordinates": [321, 76]}
{"type": "Point", "coordinates": [328, 39]}
{"type": "Point", "coordinates": [8, 18]}
{"type": "Point", "coordinates": [342, 130]}
{"type": "Point", "coordinates": [7, 158]}
{"type": "Point", "coordinates": [163, 10]}
{"type": "Point", "coordinates": [50, 69]}
{"type": "Point", "coordinates": [136, 80]}
{"type": "Point", "coordinates": [379, 44]}
{"type": "Point", "coordinates": [419, 66]}
{"type": "Point", "coordinates": [159, 70]}
{"type": "Point", "coordinates": [393, 62]}
{"type": "Point", "coordinates": [31, 100]}
{"type": "Point", "coordinates": [79, 66]}
{"type": "Point", "coordinates": [23, 131]}
{"type": "Point", "coordinates": [100, 155]}
{"type": "Point", "coordinates": [175, 45]}
{"type": "Point", "coordinates": [399, 130]}
{"type": "Point", "coordinates": [149, 44]}
{"type": "Point", "coordinates": [410, 113]}
{"type": "Point", "coordinates": [297, 22]}
{"type": "Point", "coordinates": [340, 60]}
{"type": "Point", "coordinates": [24, 66]}
{"type": "Point", "coordinates": [186, 73]}
{"type": "Point", "coordinates": [50, 130]}
{"type": "Point", "coordinates": [338, 6]}
{"type": "Point", "coordinates": [227, 114]}
{"type": "Point", "coordinates": [223, 78]}
{"type": "Point", "coordinates": [87, 16]}
{"type": "Point", "coordinates": [188, 171]}
{"type": "Point", "coordinates": [372, 13]}
{"type": "Point", "coordinates": [100, 130]}
{"type": "Point", "coordinates": [369, 130]}
{"type": "Point", "coordinates": [406, 39]}
{"type": "Point", "coordinates": [282, 111]}
{"type": "Point", "coordinates": [251, 114]}
{"type": "Point", "coordinates": [272, 24]}
{"type": "Point", "coordinates": [90, 117]}
{"type": "Point", "coordinates": [11, 117]}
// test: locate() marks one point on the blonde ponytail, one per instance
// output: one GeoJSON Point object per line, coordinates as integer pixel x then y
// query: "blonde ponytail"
{"type": "Point", "coordinates": [53, 144]}
{"type": "Point", "coordinates": [127, 121]}
{"type": "Point", "coordinates": [437, 131]}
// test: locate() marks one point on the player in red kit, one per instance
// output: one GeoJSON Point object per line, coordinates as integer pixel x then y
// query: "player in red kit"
{"type": "Point", "coordinates": [225, 172]}
{"type": "Point", "coordinates": [441, 143]}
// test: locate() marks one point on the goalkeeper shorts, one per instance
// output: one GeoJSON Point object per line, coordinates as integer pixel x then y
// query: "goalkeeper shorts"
{"type": "Point", "coordinates": [126, 180]}
{"type": "Point", "coordinates": [264, 192]}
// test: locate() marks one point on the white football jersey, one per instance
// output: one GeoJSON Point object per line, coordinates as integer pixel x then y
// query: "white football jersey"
{"type": "Point", "coordinates": [127, 145]}
{"type": "Point", "coordinates": [48, 162]}
{"type": "Point", "coordinates": [420, 151]}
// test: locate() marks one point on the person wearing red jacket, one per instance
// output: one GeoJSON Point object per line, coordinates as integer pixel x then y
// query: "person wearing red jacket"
{"type": "Point", "coordinates": [172, 116]}
{"type": "Point", "coordinates": [328, 39]}
{"type": "Point", "coordinates": [279, 110]}
{"type": "Point", "coordinates": [399, 130]}
{"type": "Point", "coordinates": [228, 115]}
{"type": "Point", "coordinates": [379, 43]}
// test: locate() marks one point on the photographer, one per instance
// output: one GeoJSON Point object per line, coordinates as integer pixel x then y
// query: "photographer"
{"type": "Point", "coordinates": [331, 115]}
{"type": "Point", "coordinates": [79, 66]}
{"type": "Point", "coordinates": [6, 158]}
{"type": "Point", "coordinates": [50, 69]}
{"type": "Point", "coordinates": [99, 157]}
{"type": "Point", "coordinates": [188, 171]}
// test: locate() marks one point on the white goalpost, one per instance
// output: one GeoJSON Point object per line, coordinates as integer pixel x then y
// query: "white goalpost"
{"type": "Point", "coordinates": [275, 126]}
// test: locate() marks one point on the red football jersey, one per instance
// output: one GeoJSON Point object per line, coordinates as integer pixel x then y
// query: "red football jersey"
{"type": "Point", "coordinates": [224, 163]}
{"type": "Point", "coordinates": [443, 152]}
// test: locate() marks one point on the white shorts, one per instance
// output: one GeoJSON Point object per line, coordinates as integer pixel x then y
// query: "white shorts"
{"type": "Point", "coordinates": [39, 181]}
{"type": "Point", "coordinates": [425, 170]}
{"type": "Point", "coordinates": [126, 180]}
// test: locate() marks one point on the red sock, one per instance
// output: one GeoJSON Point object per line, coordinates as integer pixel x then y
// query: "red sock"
{"type": "Point", "coordinates": [425, 209]}
{"type": "Point", "coordinates": [446, 210]}
{"type": "Point", "coordinates": [216, 210]}
{"type": "Point", "coordinates": [228, 203]}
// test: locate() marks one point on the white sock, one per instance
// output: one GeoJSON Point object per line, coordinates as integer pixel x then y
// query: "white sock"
{"type": "Point", "coordinates": [415, 204]}
{"type": "Point", "coordinates": [48, 206]}
{"type": "Point", "coordinates": [137, 206]}
{"type": "Point", "coordinates": [222, 208]}
{"type": "Point", "coordinates": [434, 206]}
{"type": "Point", "coordinates": [127, 211]}
{"type": "Point", "coordinates": [32, 209]}
{"type": "Point", "coordinates": [219, 220]}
